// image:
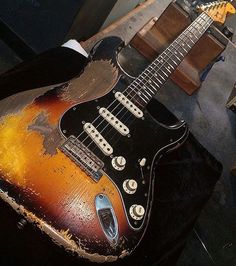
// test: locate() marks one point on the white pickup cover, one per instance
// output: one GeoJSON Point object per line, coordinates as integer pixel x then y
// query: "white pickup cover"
{"type": "Point", "coordinates": [104, 146]}
{"type": "Point", "coordinates": [115, 122]}
{"type": "Point", "coordinates": [129, 105]}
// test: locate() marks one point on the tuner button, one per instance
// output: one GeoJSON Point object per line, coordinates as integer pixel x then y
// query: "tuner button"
{"type": "Point", "coordinates": [137, 212]}
{"type": "Point", "coordinates": [118, 163]}
{"type": "Point", "coordinates": [130, 186]}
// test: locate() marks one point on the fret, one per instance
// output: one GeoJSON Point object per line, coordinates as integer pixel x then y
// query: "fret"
{"type": "Point", "coordinates": [174, 62]}
{"type": "Point", "coordinates": [135, 81]}
{"type": "Point", "coordinates": [144, 95]}
{"type": "Point", "coordinates": [162, 77]}
{"type": "Point", "coordinates": [156, 74]}
{"type": "Point", "coordinates": [184, 48]}
{"type": "Point", "coordinates": [194, 33]}
{"type": "Point", "coordinates": [153, 74]}
{"type": "Point", "coordinates": [147, 81]}
{"type": "Point", "coordinates": [183, 44]}
{"type": "Point", "coordinates": [150, 82]}
{"type": "Point", "coordinates": [151, 86]}
{"type": "Point", "coordinates": [198, 22]}
{"type": "Point", "coordinates": [197, 30]}
{"type": "Point", "coordinates": [177, 56]}
{"type": "Point", "coordinates": [170, 66]}
{"type": "Point", "coordinates": [202, 21]}
{"type": "Point", "coordinates": [141, 96]}
{"type": "Point", "coordinates": [149, 72]}
{"type": "Point", "coordinates": [153, 92]}
{"type": "Point", "coordinates": [205, 16]}
{"type": "Point", "coordinates": [138, 84]}
{"type": "Point", "coordinates": [167, 69]}
{"type": "Point", "coordinates": [164, 73]}
{"type": "Point", "coordinates": [190, 38]}
{"type": "Point", "coordinates": [147, 93]}
{"type": "Point", "coordinates": [145, 89]}
{"type": "Point", "coordinates": [155, 83]}
{"type": "Point", "coordinates": [179, 53]}
{"type": "Point", "coordinates": [192, 30]}
{"type": "Point", "coordinates": [188, 45]}
{"type": "Point", "coordinates": [138, 80]}
{"type": "Point", "coordinates": [151, 66]}
{"type": "Point", "coordinates": [155, 77]}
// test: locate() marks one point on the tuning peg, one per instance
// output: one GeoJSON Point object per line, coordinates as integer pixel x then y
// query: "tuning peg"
{"type": "Point", "coordinates": [228, 32]}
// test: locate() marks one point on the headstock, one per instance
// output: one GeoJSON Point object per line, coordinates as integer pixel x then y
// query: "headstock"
{"type": "Point", "coordinates": [217, 10]}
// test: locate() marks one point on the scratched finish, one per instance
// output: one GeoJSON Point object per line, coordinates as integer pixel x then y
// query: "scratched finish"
{"type": "Point", "coordinates": [44, 185]}
{"type": "Point", "coordinates": [31, 162]}
{"type": "Point", "coordinates": [53, 181]}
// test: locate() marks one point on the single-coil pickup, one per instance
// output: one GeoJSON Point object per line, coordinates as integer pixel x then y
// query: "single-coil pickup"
{"type": "Point", "coordinates": [104, 146]}
{"type": "Point", "coordinates": [116, 123]}
{"type": "Point", "coordinates": [129, 105]}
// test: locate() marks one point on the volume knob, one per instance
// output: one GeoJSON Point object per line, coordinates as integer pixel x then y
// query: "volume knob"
{"type": "Point", "coordinates": [118, 163]}
{"type": "Point", "coordinates": [137, 212]}
{"type": "Point", "coordinates": [130, 186]}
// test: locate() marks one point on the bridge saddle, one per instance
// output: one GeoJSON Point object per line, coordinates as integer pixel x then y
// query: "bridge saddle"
{"type": "Point", "coordinates": [83, 157]}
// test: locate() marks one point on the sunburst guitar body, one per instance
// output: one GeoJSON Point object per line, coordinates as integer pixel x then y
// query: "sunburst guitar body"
{"type": "Point", "coordinates": [78, 159]}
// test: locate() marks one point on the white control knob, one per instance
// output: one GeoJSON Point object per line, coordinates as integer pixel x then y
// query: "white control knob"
{"type": "Point", "coordinates": [137, 212]}
{"type": "Point", "coordinates": [118, 163]}
{"type": "Point", "coordinates": [130, 186]}
{"type": "Point", "coordinates": [143, 162]}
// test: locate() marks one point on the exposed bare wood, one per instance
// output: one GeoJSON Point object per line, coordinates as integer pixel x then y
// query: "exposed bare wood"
{"type": "Point", "coordinates": [130, 24]}
{"type": "Point", "coordinates": [155, 37]}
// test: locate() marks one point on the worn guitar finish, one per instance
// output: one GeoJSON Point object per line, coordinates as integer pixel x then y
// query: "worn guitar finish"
{"type": "Point", "coordinates": [54, 190]}
{"type": "Point", "coordinates": [79, 159]}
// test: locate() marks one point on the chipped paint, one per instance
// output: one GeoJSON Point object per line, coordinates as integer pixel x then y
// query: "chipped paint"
{"type": "Point", "coordinates": [98, 76]}
{"type": "Point", "coordinates": [51, 136]}
{"type": "Point", "coordinates": [61, 238]}
{"type": "Point", "coordinates": [44, 179]}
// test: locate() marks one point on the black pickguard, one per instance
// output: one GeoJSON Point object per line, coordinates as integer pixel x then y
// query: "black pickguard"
{"type": "Point", "coordinates": [148, 139]}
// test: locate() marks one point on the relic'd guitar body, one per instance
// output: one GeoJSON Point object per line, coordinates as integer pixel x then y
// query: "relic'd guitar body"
{"type": "Point", "coordinates": [81, 165]}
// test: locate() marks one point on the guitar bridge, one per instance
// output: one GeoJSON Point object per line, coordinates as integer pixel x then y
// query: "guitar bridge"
{"type": "Point", "coordinates": [83, 157]}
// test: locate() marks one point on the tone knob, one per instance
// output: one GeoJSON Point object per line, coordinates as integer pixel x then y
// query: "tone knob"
{"type": "Point", "coordinates": [130, 186]}
{"type": "Point", "coordinates": [137, 212]}
{"type": "Point", "coordinates": [118, 163]}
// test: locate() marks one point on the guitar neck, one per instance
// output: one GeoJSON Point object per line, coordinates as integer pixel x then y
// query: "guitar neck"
{"type": "Point", "coordinates": [149, 82]}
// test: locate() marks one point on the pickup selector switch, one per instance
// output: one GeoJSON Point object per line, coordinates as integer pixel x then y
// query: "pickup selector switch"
{"type": "Point", "coordinates": [130, 186]}
{"type": "Point", "coordinates": [137, 212]}
{"type": "Point", "coordinates": [142, 162]}
{"type": "Point", "coordinates": [118, 163]}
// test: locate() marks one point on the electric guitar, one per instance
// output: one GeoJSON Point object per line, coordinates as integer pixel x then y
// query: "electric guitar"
{"type": "Point", "coordinates": [79, 164]}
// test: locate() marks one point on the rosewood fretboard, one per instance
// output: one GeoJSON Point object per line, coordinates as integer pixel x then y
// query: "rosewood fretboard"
{"type": "Point", "coordinates": [148, 83]}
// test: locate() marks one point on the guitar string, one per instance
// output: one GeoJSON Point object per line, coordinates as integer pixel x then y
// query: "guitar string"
{"type": "Point", "coordinates": [117, 133]}
{"type": "Point", "coordinates": [166, 53]}
{"type": "Point", "coordinates": [133, 89]}
{"type": "Point", "coordinates": [186, 38]}
{"type": "Point", "coordinates": [170, 52]}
